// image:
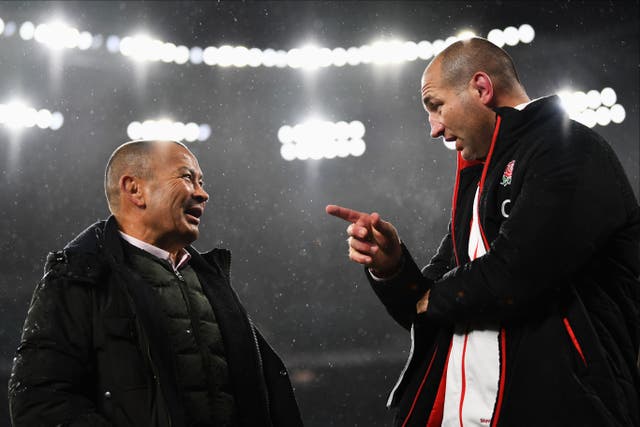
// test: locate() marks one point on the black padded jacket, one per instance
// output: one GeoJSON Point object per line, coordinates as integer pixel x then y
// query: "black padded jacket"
{"type": "Point", "coordinates": [94, 348]}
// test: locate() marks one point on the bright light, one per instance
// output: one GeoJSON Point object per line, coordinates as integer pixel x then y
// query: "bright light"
{"type": "Point", "coordinates": [27, 30]}
{"type": "Point", "coordinates": [425, 50]}
{"type": "Point", "coordinates": [593, 99]}
{"type": "Point", "coordinates": [16, 114]}
{"type": "Point", "coordinates": [113, 44]}
{"type": "Point", "coordinates": [316, 139]}
{"type": "Point", "coordinates": [496, 37]}
{"type": "Point", "coordinates": [44, 119]}
{"type": "Point", "coordinates": [85, 41]}
{"type": "Point", "coordinates": [438, 46]}
{"type": "Point", "coordinates": [466, 35]}
{"type": "Point", "coordinates": [526, 33]}
{"type": "Point", "coordinates": [181, 55]}
{"type": "Point", "coordinates": [57, 120]}
{"type": "Point", "coordinates": [196, 55]}
{"type": "Point", "coordinates": [9, 28]}
{"type": "Point", "coordinates": [511, 36]}
{"type": "Point", "coordinates": [608, 96]}
{"type": "Point", "coordinates": [204, 132]}
{"type": "Point", "coordinates": [166, 129]}
{"type": "Point", "coordinates": [1, 26]}
{"type": "Point", "coordinates": [57, 35]}
{"type": "Point", "coordinates": [617, 113]}
{"type": "Point", "coordinates": [145, 48]}
{"type": "Point", "coordinates": [603, 116]}
{"type": "Point", "coordinates": [592, 108]}
{"type": "Point", "coordinates": [96, 42]}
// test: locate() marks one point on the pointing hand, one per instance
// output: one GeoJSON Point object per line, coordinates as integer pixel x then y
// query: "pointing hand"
{"type": "Point", "coordinates": [373, 242]}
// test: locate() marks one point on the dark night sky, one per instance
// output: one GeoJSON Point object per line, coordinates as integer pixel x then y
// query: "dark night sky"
{"type": "Point", "coordinates": [289, 259]}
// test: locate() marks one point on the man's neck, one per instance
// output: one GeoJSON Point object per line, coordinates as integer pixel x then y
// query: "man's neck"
{"type": "Point", "coordinates": [142, 235]}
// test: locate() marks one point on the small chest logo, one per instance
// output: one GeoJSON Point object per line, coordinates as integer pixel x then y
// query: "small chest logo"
{"type": "Point", "coordinates": [508, 171]}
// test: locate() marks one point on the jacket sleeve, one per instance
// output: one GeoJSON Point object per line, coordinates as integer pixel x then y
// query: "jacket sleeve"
{"type": "Point", "coordinates": [51, 381]}
{"type": "Point", "coordinates": [401, 293]}
{"type": "Point", "coordinates": [283, 406]}
{"type": "Point", "coordinates": [573, 199]}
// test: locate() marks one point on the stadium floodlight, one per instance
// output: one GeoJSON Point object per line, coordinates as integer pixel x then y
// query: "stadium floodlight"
{"type": "Point", "coordinates": [317, 139]}
{"type": "Point", "coordinates": [167, 129]}
{"type": "Point", "coordinates": [16, 115]}
{"type": "Point", "coordinates": [145, 48]}
{"type": "Point", "coordinates": [594, 107]}
{"type": "Point", "coordinates": [27, 30]}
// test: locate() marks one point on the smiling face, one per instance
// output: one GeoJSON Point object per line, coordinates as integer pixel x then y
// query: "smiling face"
{"type": "Point", "coordinates": [458, 113]}
{"type": "Point", "coordinates": [174, 198]}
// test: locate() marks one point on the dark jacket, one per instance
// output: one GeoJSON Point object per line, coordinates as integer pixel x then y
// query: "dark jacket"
{"type": "Point", "coordinates": [560, 276]}
{"type": "Point", "coordinates": [94, 349]}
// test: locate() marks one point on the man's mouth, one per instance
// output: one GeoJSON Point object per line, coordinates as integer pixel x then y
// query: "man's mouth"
{"type": "Point", "coordinates": [458, 141]}
{"type": "Point", "coordinates": [194, 213]}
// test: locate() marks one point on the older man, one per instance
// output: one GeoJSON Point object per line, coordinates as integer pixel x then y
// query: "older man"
{"type": "Point", "coordinates": [131, 326]}
{"type": "Point", "coordinates": [528, 314]}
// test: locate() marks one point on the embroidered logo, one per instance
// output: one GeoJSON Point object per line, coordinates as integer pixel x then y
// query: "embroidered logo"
{"type": "Point", "coordinates": [506, 176]}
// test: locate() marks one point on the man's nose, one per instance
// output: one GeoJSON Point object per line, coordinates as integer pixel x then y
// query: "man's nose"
{"type": "Point", "coordinates": [437, 129]}
{"type": "Point", "coordinates": [200, 194]}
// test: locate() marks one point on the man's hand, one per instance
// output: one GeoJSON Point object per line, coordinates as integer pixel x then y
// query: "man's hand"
{"type": "Point", "coordinates": [423, 303]}
{"type": "Point", "coordinates": [372, 241]}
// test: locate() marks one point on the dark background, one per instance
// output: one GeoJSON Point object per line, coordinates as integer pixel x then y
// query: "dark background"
{"type": "Point", "coordinates": [289, 258]}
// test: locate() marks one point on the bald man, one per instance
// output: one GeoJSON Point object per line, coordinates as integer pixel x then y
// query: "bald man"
{"type": "Point", "coordinates": [528, 314]}
{"type": "Point", "coordinates": [131, 326]}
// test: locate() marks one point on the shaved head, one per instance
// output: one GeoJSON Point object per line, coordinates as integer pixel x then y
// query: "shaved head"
{"type": "Point", "coordinates": [462, 59]}
{"type": "Point", "coordinates": [131, 158]}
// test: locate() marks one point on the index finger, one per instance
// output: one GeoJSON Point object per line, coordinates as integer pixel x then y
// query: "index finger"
{"type": "Point", "coordinates": [345, 213]}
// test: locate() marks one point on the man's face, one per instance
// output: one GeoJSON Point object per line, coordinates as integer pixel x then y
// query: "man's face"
{"type": "Point", "coordinates": [174, 197]}
{"type": "Point", "coordinates": [457, 114]}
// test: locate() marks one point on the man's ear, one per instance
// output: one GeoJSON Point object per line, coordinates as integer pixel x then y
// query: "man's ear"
{"type": "Point", "coordinates": [131, 189]}
{"type": "Point", "coordinates": [482, 86]}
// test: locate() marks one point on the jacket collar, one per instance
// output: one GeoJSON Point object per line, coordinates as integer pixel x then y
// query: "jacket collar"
{"type": "Point", "coordinates": [516, 123]}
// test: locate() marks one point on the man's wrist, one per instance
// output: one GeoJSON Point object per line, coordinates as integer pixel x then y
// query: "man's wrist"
{"type": "Point", "coordinates": [389, 274]}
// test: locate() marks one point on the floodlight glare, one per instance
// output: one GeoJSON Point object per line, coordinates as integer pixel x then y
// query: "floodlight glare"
{"type": "Point", "coordinates": [204, 132]}
{"type": "Point", "coordinates": [113, 44]}
{"type": "Point", "coordinates": [496, 37]}
{"type": "Point", "coordinates": [592, 108]}
{"type": "Point", "coordinates": [608, 96]}
{"type": "Point", "coordinates": [9, 28]}
{"type": "Point", "coordinates": [617, 113]}
{"type": "Point", "coordinates": [85, 40]}
{"type": "Point", "coordinates": [316, 139]}
{"type": "Point", "coordinates": [466, 35]}
{"type": "Point", "coordinates": [603, 116]}
{"type": "Point", "coordinates": [526, 33]}
{"type": "Point", "coordinates": [196, 55]}
{"type": "Point", "coordinates": [27, 30]}
{"type": "Point", "coordinates": [593, 99]}
{"type": "Point", "coordinates": [425, 50]}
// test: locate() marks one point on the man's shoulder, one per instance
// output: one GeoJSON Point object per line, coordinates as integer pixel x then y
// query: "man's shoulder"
{"type": "Point", "coordinates": [217, 258]}
{"type": "Point", "coordinates": [82, 258]}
